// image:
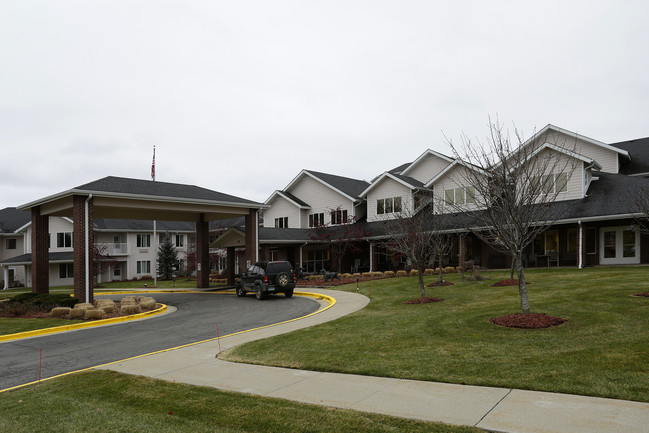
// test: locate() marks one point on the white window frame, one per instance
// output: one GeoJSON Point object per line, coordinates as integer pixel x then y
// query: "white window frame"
{"type": "Point", "coordinates": [143, 267]}
{"type": "Point", "coordinates": [64, 240]}
{"type": "Point", "coordinates": [140, 241]}
{"type": "Point", "coordinates": [390, 205]}
{"type": "Point", "coordinates": [619, 258]}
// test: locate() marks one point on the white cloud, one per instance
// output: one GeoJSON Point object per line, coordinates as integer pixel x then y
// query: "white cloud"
{"type": "Point", "coordinates": [240, 96]}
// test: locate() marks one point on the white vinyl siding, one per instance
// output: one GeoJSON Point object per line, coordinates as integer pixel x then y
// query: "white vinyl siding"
{"type": "Point", "coordinates": [387, 189]}
{"type": "Point", "coordinates": [426, 169]}
{"type": "Point", "coordinates": [320, 197]}
{"type": "Point", "coordinates": [607, 158]}
{"type": "Point", "coordinates": [452, 186]}
{"type": "Point", "coordinates": [282, 208]}
{"type": "Point", "coordinates": [566, 167]}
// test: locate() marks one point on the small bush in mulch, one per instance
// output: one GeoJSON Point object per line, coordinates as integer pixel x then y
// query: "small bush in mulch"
{"type": "Point", "coordinates": [645, 294]}
{"type": "Point", "coordinates": [440, 283]}
{"type": "Point", "coordinates": [424, 300]}
{"type": "Point", "coordinates": [527, 321]}
{"type": "Point", "coordinates": [508, 282]}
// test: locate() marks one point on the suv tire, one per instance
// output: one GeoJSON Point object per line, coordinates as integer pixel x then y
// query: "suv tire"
{"type": "Point", "coordinates": [240, 291]}
{"type": "Point", "coordinates": [288, 293]}
{"type": "Point", "coordinates": [283, 280]}
{"type": "Point", "coordinates": [258, 293]}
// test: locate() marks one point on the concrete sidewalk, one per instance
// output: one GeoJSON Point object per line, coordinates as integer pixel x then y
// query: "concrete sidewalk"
{"type": "Point", "coordinates": [496, 409]}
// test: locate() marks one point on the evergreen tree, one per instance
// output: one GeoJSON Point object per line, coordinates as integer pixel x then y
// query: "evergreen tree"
{"type": "Point", "coordinates": [167, 259]}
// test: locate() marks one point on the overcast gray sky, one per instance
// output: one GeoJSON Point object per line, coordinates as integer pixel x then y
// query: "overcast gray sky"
{"type": "Point", "coordinates": [239, 96]}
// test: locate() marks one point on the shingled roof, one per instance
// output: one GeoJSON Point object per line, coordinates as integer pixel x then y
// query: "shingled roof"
{"type": "Point", "coordinates": [126, 186]}
{"type": "Point", "coordinates": [351, 187]}
{"type": "Point", "coordinates": [11, 219]}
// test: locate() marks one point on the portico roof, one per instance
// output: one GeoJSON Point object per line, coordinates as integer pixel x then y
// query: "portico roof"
{"type": "Point", "coordinates": [118, 197]}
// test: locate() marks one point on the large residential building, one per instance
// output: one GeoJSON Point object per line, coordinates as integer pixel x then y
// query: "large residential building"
{"type": "Point", "coordinates": [595, 187]}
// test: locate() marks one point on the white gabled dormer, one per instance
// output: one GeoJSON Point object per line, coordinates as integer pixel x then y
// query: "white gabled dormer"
{"type": "Point", "coordinates": [428, 165]}
{"type": "Point", "coordinates": [606, 155]}
{"type": "Point", "coordinates": [452, 191]}
{"type": "Point", "coordinates": [393, 194]}
{"type": "Point", "coordinates": [319, 198]}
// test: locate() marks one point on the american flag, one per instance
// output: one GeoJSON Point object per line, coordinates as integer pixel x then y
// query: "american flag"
{"type": "Point", "coordinates": [153, 166]}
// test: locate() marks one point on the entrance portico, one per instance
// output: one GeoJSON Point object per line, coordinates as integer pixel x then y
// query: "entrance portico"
{"type": "Point", "coordinates": [115, 197]}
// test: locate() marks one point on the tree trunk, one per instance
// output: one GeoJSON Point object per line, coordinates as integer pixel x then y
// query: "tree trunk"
{"type": "Point", "coordinates": [522, 288]}
{"type": "Point", "coordinates": [511, 272]}
{"type": "Point", "coordinates": [420, 277]}
{"type": "Point", "coordinates": [441, 276]}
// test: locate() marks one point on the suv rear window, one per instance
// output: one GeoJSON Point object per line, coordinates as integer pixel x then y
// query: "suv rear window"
{"type": "Point", "coordinates": [277, 267]}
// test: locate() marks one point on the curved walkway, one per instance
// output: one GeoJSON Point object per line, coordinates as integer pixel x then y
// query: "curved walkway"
{"type": "Point", "coordinates": [497, 409]}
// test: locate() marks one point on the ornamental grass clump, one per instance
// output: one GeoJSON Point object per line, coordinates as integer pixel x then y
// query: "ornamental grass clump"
{"type": "Point", "coordinates": [60, 311]}
{"type": "Point", "coordinates": [77, 313]}
{"type": "Point", "coordinates": [95, 314]}
{"type": "Point", "coordinates": [129, 309]}
{"type": "Point", "coordinates": [401, 274]}
{"type": "Point", "coordinates": [388, 274]}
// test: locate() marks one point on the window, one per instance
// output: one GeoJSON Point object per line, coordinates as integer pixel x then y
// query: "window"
{"type": "Point", "coordinates": [64, 240]}
{"type": "Point", "coordinates": [143, 241]}
{"type": "Point", "coordinates": [316, 220]}
{"type": "Point", "coordinates": [144, 267]}
{"type": "Point", "coordinates": [551, 241]}
{"type": "Point", "coordinates": [10, 244]}
{"type": "Point", "coordinates": [553, 183]}
{"type": "Point", "coordinates": [455, 196]}
{"type": "Point", "coordinates": [591, 240]}
{"type": "Point", "coordinates": [388, 205]}
{"type": "Point", "coordinates": [572, 241]}
{"type": "Point", "coordinates": [281, 223]}
{"type": "Point", "coordinates": [180, 241]}
{"type": "Point", "coordinates": [66, 270]}
{"type": "Point", "coordinates": [619, 245]}
{"type": "Point", "coordinates": [339, 216]}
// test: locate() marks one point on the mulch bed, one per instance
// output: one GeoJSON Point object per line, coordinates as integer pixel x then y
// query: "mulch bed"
{"type": "Point", "coordinates": [322, 283]}
{"type": "Point", "coordinates": [527, 321]}
{"type": "Point", "coordinates": [508, 282]}
{"type": "Point", "coordinates": [424, 300]}
{"type": "Point", "coordinates": [440, 284]}
{"type": "Point", "coordinates": [645, 294]}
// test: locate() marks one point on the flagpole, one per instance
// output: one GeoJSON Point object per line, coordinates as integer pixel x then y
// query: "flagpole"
{"type": "Point", "coordinates": [155, 236]}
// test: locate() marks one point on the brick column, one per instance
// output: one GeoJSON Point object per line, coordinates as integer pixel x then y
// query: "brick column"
{"type": "Point", "coordinates": [265, 253]}
{"type": "Point", "coordinates": [230, 257]}
{"type": "Point", "coordinates": [252, 242]}
{"type": "Point", "coordinates": [79, 244]}
{"type": "Point", "coordinates": [40, 253]}
{"type": "Point", "coordinates": [202, 253]}
{"type": "Point", "coordinates": [462, 249]}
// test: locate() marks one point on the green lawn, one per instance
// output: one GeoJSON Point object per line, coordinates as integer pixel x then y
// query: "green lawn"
{"type": "Point", "coordinates": [602, 350]}
{"type": "Point", "coordinates": [112, 402]}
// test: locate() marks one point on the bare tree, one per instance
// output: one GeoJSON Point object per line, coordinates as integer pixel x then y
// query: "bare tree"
{"type": "Point", "coordinates": [513, 188]}
{"type": "Point", "coordinates": [418, 235]}
{"type": "Point", "coordinates": [343, 235]}
{"type": "Point", "coordinates": [101, 260]}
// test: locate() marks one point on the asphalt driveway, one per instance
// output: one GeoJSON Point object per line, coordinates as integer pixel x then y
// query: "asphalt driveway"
{"type": "Point", "coordinates": [195, 319]}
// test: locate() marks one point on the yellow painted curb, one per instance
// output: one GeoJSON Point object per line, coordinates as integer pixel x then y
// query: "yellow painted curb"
{"type": "Point", "coordinates": [45, 331]}
{"type": "Point", "coordinates": [329, 299]}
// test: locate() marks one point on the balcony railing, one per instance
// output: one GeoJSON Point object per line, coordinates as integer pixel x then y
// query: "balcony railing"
{"type": "Point", "coordinates": [121, 249]}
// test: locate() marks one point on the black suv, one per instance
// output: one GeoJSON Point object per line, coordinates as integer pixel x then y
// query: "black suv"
{"type": "Point", "coordinates": [267, 277]}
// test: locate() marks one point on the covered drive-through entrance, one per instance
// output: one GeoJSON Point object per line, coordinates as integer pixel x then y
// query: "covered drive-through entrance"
{"type": "Point", "coordinates": [116, 197]}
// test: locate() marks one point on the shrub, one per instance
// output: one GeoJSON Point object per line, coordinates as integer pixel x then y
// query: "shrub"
{"type": "Point", "coordinates": [47, 300]}
{"type": "Point", "coordinates": [401, 274]}
{"type": "Point", "coordinates": [77, 313]}
{"type": "Point", "coordinates": [60, 311]}
{"type": "Point", "coordinates": [95, 314]}
{"type": "Point", "coordinates": [414, 273]}
{"type": "Point", "coordinates": [449, 269]}
{"type": "Point", "coordinates": [388, 274]}
{"type": "Point", "coordinates": [84, 307]}
{"type": "Point", "coordinates": [131, 309]}
{"type": "Point", "coordinates": [109, 309]}
{"type": "Point", "coordinates": [347, 275]}
{"type": "Point", "coordinates": [429, 271]}
{"type": "Point", "coordinates": [356, 275]}
{"type": "Point", "coordinates": [366, 275]}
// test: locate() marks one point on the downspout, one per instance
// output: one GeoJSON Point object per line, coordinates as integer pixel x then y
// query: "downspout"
{"type": "Point", "coordinates": [371, 257]}
{"type": "Point", "coordinates": [581, 251]}
{"type": "Point", "coordinates": [6, 277]}
{"type": "Point", "coordinates": [87, 239]}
